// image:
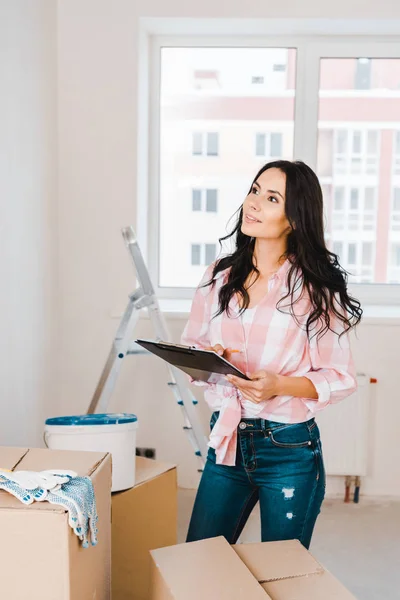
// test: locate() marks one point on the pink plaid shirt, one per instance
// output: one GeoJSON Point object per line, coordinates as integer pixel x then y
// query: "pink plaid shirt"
{"type": "Point", "coordinates": [271, 340]}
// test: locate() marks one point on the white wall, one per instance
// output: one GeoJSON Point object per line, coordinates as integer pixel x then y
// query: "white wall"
{"type": "Point", "coordinates": [28, 215]}
{"type": "Point", "coordinates": [97, 62]}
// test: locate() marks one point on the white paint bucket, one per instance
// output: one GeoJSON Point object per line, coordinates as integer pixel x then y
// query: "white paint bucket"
{"type": "Point", "coordinates": [114, 433]}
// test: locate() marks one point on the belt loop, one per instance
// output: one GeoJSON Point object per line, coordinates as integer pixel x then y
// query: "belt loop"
{"type": "Point", "coordinates": [263, 427]}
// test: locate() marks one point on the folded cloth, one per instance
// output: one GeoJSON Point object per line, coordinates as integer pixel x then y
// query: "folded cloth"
{"type": "Point", "coordinates": [64, 488]}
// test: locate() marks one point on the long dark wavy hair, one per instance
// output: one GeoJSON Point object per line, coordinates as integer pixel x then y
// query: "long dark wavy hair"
{"type": "Point", "coordinates": [314, 269]}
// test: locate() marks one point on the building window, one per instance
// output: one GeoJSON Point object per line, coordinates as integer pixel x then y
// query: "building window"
{"type": "Point", "coordinates": [203, 254]}
{"type": "Point", "coordinates": [356, 152]}
{"type": "Point", "coordinates": [363, 74]}
{"type": "Point", "coordinates": [205, 144]}
{"type": "Point", "coordinates": [339, 198]}
{"type": "Point", "coordinates": [269, 145]}
{"type": "Point", "coordinates": [211, 253]}
{"type": "Point", "coordinates": [196, 200]}
{"type": "Point", "coordinates": [395, 216]}
{"type": "Point", "coordinates": [205, 200]}
{"type": "Point", "coordinates": [396, 153]}
{"type": "Point", "coordinates": [212, 201]}
{"type": "Point", "coordinates": [196, 254]}
{"type": "Point", "coordinates": [354, 199]}
{"type": "Point", "coordinates": [338, 248]}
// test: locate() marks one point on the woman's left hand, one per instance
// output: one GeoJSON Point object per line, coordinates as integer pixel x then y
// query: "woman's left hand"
{"type": "Point", "coordinates": [262, 386]}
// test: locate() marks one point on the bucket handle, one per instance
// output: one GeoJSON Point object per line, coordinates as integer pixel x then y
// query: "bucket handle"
{"type": "Point", "coordinates": [45, 439]}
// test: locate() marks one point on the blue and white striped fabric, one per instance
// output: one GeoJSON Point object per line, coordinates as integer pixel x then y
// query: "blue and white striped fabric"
{"type": "Point", "coordinates": [76, 495]}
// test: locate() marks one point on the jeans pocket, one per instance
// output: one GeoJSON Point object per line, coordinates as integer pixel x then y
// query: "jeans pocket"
{"type": "Point", "coordinates": [290, 436]}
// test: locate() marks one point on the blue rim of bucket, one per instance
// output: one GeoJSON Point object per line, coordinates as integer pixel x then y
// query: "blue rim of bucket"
{"type": "Point", "coordinates": [95, 419]}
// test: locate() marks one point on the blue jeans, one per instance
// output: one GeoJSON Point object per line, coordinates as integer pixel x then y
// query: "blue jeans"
{"type": "Point", "coordinates": [281, 466]}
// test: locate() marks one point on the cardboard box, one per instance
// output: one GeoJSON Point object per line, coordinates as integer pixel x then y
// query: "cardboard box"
{"type": "Point", "coordinates": [40, 556]}
{"type": "Point", "coordinates": [143, 518]}
{"type": "Point", "coordinates": [215, 570]}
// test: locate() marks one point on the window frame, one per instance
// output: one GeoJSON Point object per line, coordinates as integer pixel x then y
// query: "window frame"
{"type": "Point", "coordinates": [310, 49]}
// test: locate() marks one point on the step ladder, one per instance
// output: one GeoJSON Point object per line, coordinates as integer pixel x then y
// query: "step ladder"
{"type": "Point", "coordinates": [144, 298]}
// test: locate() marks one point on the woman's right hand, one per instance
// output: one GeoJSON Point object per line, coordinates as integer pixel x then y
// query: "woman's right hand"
{"type": "Point", "coordinates": [221, 351]}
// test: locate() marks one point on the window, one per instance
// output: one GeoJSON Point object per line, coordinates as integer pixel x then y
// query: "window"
{"type": "Point", "coordinates": [351, 257]}
{"type": "Point", "coordinates": [211, 253]}
{"type": "Point", "coordinates": [359, 157]}
{"type": "Point", "coordinates": [338, 248]}
{"type": "Point", "coordinates": [203, 254]}
{"type": "Point", "coordinates": [354, 199]}
{"type": "Point", "coordinates": [205, 200]}
{"type": "Point", "coordinates": [269, 145]}
{"type": "Point", "coordinates": [261, 144]}
{"type": "Point", "coordinates": [367, 250]}
{"type": "Point", "coordinates": [339, 198]}
{"type": "Point", "coordinates": [356, 152]}
{"type": "Point", "coordinates": [212, 144]}
{"type": "Point", "coordinates": [363, 74]}
{"type": "Point", "coordinates": [395, 216]}
{"type": "Point", "coordinates": [205, 144]}
{"type": "Point", "coordinates": [211, 200]}
{"type": "Point", "coordinates": [196, 200]}
{"type": "Point", "coordinates": [396, 157]}
{"type": "Point", "coordinates": [196, 249]}
{"type": "Point", "coordinates": [220, 112]}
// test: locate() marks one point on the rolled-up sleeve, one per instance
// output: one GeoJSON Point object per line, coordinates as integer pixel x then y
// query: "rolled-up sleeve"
{"type": "Point", "coordinates": [197, 327]}
{"type": "Point", "coordinates": [333, 372]}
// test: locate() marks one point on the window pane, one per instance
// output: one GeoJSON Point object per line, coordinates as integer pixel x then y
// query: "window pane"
{"type": "Point", "coordinates": [276, 145]}
{"type": "Point", "coordinates": [367, 253]}
{"type": "Point", "coordinates": [397, 142]}
{"type": "Point", "coordinates": [196, 200]}
{"type": "Point", "coordinates": [357, 142]}
{"type": "Point", "coordinates": [369, 201]}
{"type": "Point", "coordinates": [363, 74]}
{"type": "Point", "coordinates": [210, 115]}
{"type": "Point", "coordinates": [396, 199]}
{"type": "Point", "coordinates": [211, 201]}
{"type": "Point", "coordinates": [212, 144]}
{"type": "Point", "coordinates": [211, 253]}
{"type": "Point", "coordinates": [372, 142]}
{"type": "Point", "coordinates": [339, 198]}
{"type": "Point", "coordinates": [338, 248]}
{"type": "Point", "coordinates": [196, 250]}
{"type": "Point", "coordinates": [354, 199]}
{"type": "Point", "coordinates": [351, 259]}
{"type": "Point", "coordinates": [359, 157]}
{"type": "Point", "coordinates": [341, 142]}
{"type": "Point", "coordinates": [197, 144]}
{"type": "Point", "coordinates": [260, 144]}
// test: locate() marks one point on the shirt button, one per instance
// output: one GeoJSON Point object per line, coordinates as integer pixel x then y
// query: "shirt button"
{"type": "Point", "coordinates": [242, 425]}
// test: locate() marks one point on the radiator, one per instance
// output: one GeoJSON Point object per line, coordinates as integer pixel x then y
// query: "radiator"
{"type": "Point", "coordinates": [345, 432]}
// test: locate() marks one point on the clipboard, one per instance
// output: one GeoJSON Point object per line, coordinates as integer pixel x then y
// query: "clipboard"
{"type": "Point", "coordinates": [201, 365]}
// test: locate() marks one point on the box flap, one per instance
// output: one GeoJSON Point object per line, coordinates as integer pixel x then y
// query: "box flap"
{"type": "Point", "coordinates": [206, 569]}
{"type": "Point", "coordinates": [84, 463]}
{"type": "Point", "coordinates": [311, 587]}
{"type": "Point", "coordinates": [147, 469]}
{"type": "Point", "coordinates": [10, 457]}
{"type": "Point", "coordinates": [38, 459]}
{"type": "Point", "coordinates": [277, 560]}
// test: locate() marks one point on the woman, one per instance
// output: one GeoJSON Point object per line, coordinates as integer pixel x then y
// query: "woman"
{"type": "Point", "coordinates": [277, 308]}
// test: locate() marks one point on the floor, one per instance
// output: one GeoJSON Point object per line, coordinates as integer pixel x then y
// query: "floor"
{"type": "Point", "coordinates": [358, 543]}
